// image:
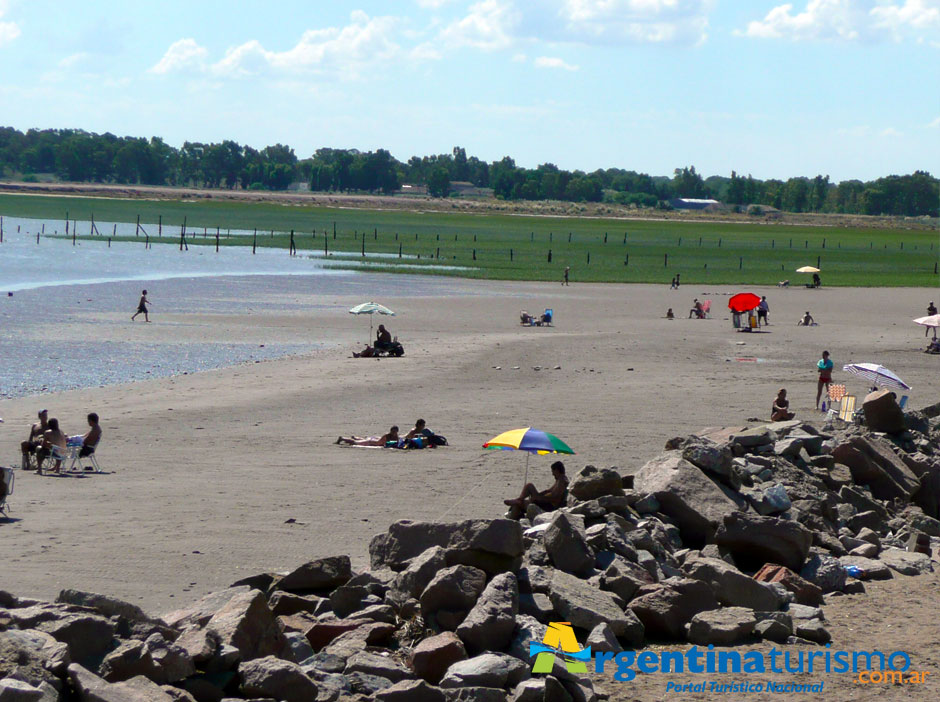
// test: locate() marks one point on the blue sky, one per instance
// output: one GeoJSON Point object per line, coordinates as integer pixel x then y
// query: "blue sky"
{"type": "Point", "coordinates": [847, 88]}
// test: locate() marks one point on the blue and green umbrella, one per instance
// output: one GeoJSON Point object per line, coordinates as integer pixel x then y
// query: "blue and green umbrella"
{"type": "Point", "coordinates": [529, 440]}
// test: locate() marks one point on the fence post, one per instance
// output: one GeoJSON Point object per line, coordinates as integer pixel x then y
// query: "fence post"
{"type": "Point", "coordinates": [549, 255]}
{"type": "Point", "coordinates": [399, 252]}
{"type": "Point", "coordinates": [665, 260]}
{"type": "Point", "coordinates": [817, 262]}
{"type": "Point", "coordinates": [510, 254]}
{"type": "Point", "coordinates": [740, 262]}
{"type": "Point", "coordinates": [254, 241]}
{"type": "Point", "coordinates": [589, 258]}
{"type": "Point", "coordinates": [293, 246]}
{"type": "Point", "coordinates": [626, 260]}
{"type": "Point", "coordinates": [160, 225]}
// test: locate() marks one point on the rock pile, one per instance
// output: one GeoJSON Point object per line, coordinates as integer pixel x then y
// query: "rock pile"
{"type": "Point", "coordinates": [733, 536]}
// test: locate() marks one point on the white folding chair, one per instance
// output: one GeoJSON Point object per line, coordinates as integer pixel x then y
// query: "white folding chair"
{"type": "Point", "coordinates": [7, 477]}
{"type": "Point", "coordinates": [77, 459]}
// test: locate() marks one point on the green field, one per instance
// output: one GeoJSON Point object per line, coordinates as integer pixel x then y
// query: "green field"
{"type": "Point", "coordinates": [517, 247]}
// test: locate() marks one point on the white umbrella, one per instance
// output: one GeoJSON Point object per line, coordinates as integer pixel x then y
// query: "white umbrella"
{"type": "Point", "coordinates": [371, 308]}
{"type": "Point", "coordinates": [807, 269]}
{"type": "Point", "coordinates": [879, 375]}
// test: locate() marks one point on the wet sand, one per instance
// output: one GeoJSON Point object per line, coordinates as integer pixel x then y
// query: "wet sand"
{"type": "Point", "coordinates": [204, 471]}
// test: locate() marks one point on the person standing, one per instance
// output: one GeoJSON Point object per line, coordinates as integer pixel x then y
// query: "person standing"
{"type": "Point", "coordinates": [931, 310]}
{"type": "Point", "coordinates": [565, 281]}
{"type": "Point", "coordinates": [762, 309]}
{"type": "Point", "coordinates": [824, 368]}
{"type": "Point", "coordinates": [142, 307]}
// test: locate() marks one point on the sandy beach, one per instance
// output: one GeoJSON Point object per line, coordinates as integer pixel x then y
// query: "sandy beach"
{"type": "Point", "coordinates": [213, 476]}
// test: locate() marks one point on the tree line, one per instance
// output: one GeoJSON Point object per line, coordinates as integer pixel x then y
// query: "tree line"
{"type": "Point", "coordinates": [80, 156]}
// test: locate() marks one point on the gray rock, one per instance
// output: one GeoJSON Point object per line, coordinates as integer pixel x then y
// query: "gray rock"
{"type": "Point", "coordinates": [91, 688]}
{"type": "Point", "coordinates": [375, 664]}
{"type": "Point", "coordinates": [272, 677]}
{"type": "Point", "coordinates": [104, 605]}
{"type": "Point", "coordinates": [666, 607]}
{"type": "Point", "coordinates": [536, 605]}
{"type": "Point", "coordinates": [799, 611]}
{"type": "Point", "coordinates": [432, 657]}
{"type": "Point", "coordinates": [490, 624]}
{"type": "Point", "coordinates": [500, 540]}
{"type": "Point", "coordinates": [721, 627]}
{"type": "Point", "coordinates": [754, 540]}
{"type": "Point", "coordinates": [905, 562]}
{"type": "Point", "coordinates": [772, 630]}
{"type": "Point", "coordinates": [13, 690]}
{"type": "Point", "coordinates": [420, 571]}
{"type": "Point", "coordinates": [768, 500]}
{"type": "Point", "coordinates": [528, 629]}
{"type": "Point", "coordinates": [825, 572]}
{"type": "Point", "coordinates": [454, 589]}
{"type": "Point", "coordinates": [585, 607]}
{"type": "Point", "coordinates": [475, 694]}
{"type": "Point", "coordinates": [758, 436]}
{"type": "Point", "coordinates": [685, 494]}
{"type": "Point", "coordinates": [321, 574]}
{"type": "Point", "coordinates": [708, 456]}
{"type": "Point", "coordinates": [624, 578]}
{"type": "Point", "coordinates": [128, 660]}
{"type": "Point", "coordinates": [603, 640]}
{"type": "Point", "coordinates": [246, 623]}
{"type": "Point", "coordinates": [869, 568]}
{"type": "Point", "coordinates": [88, 636]}
{"type": "Point", "coordinates": [567, 546]}
{"type": "Point", "coordinates": [496, 670]}
{"type": "Point", "coordinates": [200, 612]}
{"type": "Point", "coordinates": [874, 464]}
{"type": "Point", "coordinates": [866, 550]}
{"type": "Point", "coordinates": [589, 483]}
{"type": "Point", "coordinates": [731, 587]}
{"type": "Point", "coordinates": [410, 691]}
{"type": "Point", "coordinates": [812, 630]}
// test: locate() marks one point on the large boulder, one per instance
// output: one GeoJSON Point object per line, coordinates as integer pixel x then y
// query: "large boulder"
{"type": "Point", "coordinates": [874, 464]}
{"type": "Point", "coordinates": [321, 574]}
{"type": "Point", "coordinates": [494, 545]}
{"type": "Point", "coordinates": [721, 627]}
{"type": "Point", "coordinates": [906, 562]}
{"type": "Point", "coordinates": [91, 688]}
{"type": "Point", "coordinates": [496, 670]}
{"type": "Point", "coordinates": [201, 611]}
{"type": "Point", "coordinates": [589, 483]}
{"type": "Point", "coordinates": [754, 540]}
{"type": "Point", "coordinates": [708, 455]}
{"type": "Point", "coordinates": [665, 608]}
{"type": "Point", "coordinates": [490, 623]}
{"type": "Point", "coordinates": [686, 495]}
{"type": "Point", "coordinates": [432, 657]}
{"type": "Point", "coordinates": [88, 636]}
{"type": "Point", "coordinates": [452, 594]}
{"type": "Point", "coordinates": [731, 586]}
{"type": "Point", "coordinates": [584, 606]}
{"type": "Point", "coordinates": [272, 677]}
{"type": "Point", "coordinates": [804, 592]}
{"type": "Point", "coordinates": [927, 470]}
{"type": "Point", "coordinates": [246, 623]}
{"type": "Point", "coordinates": [566, 545]}
{"type": "Point", "coordinates": [825, 572]}
{"type": "Point", "coordinates": [882, 412]}
{"type": "Point", "coordinates": [375, 664]}
{"type": "Point", "coordinates": [410, 691]}
{"type": "Point", "coordinates": [420, 571]}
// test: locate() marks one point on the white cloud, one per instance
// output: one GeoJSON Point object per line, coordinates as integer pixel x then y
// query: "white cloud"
{"type": "Point", "coordinates": [636, 21]}
{"type": "Point", "coordinates": [432, 4]}
{"type": "Point", "coordinates": [519, 58]}
{"type": "Point", "coordinates": [935, 124]}
{"type": "Point", "coordinates": [9, 31]}
{"type": "Point", "coordinates": [182, 54]}
{"type": "Point", "coordinates": [849, 20]}
{"type": "Point", "coordinates": [554, 62]}
{"type": "Point", "coordinates": [74, 59]}
{"type": "Point", "coordinates": [890, 132]}
{"type": "Point", "coordinates": [488, 25]}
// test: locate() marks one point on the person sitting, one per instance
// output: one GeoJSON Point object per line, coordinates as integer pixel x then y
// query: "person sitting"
{"type": "Point", "coordinates": [546, 317]}
{"type": "Point", "coordinates": [91, 438]}
{"type": "Point", "coordinates": [670, 314]}
{"type": "Point", "coordinates": [36, 430]}
{"type": "Point", "coordinates": [933, 347]}
{"type": "Point", "coordinates": [383, 339]}
{"type": "Point", "coordinates": [547, 500]}
{"type": "Point", "coordinates": [697, 310]}
{"type": "Point", "coordinates": [422, 437]}
{"type": "Point", "coordinates": [390, 437]}
{"type": "Point", "coordinates": [806, 320]}
{"type": "Point", "coordinates": [54, 444]}
{"type": "Point", "coordinates": [780, 412]}
{"type": "Point", "coordinates": [816, 281]}
{"type": "Point", "coordinates": [525, 318]}
{"type": "Point", "coordinates": [783, 284]}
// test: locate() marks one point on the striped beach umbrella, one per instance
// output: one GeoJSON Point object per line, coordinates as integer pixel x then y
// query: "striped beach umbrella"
{"type": "Point", "coordinates": [878, 375]}
{"type": "Point", "coordinates": [529, 440]}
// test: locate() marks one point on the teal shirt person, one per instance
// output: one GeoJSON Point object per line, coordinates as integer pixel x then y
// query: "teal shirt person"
{"type": "Point", "coordinates": [825, 369]}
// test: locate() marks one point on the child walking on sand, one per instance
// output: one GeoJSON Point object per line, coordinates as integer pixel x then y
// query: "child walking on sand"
{"type": "Point", "coordinates": [142, 307]}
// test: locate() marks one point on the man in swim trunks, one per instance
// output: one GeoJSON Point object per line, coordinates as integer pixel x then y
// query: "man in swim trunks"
{"type": "Point", "coordinates": [142, 307]}
{"type": "Point", "coordinates": [824, 368]}
{"type": "Point", "coordinates": [550, 499]}
{"type": "Point", "coordinates": [35, 437]}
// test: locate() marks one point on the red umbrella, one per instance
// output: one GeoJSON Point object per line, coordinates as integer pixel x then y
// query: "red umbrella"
{"type": "Point", "coordinates": [742, 302]}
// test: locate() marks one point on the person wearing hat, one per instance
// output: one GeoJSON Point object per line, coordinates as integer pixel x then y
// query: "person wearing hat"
{"type": "Point", "coordinates": [931, 310]}
{"type": "Point", "coordinates": [34, 441]}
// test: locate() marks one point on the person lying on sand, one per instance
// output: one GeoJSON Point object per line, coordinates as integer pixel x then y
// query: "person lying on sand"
{"type": "Point", "coordinates": [391, 436]}
{"type": "Point", "coordinates": [367, 352]}
{"type": "Point", "coordinates": [550, 499]}
{"type": "Point", "coordinates": [780, 412]}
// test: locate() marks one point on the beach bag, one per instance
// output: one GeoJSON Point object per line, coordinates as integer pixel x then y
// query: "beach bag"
{"type": "Point", "coordinates": [437, 440]}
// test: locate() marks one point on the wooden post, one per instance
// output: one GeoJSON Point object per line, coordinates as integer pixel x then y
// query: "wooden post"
{"type": "Point", "coordinates": [773, 243]}
{"type": "Point", "coordinates": [334, 231]}
{"type": "Point", "coordinates": [109, 242]}
{"type": "Point", "coordinates": [824, 243]}
{"type": "Point", "coordinates": [665, 260]}
{"type": "Point", "coordinates": [363, 245]}
{"type": "Point", "coordinates": [91, 229]}
{"type": "Point", "coordinates": [626, 260]}
{"type": "Point", "coordinates": [254, 241]}
{"type": "Point", "coordinates": [549, 255]}
{"type": "Point", "coordinates": [399, 252]}
{"type": "Point", "coordinates": [680, 241]}
{"type": "Point", "coordinates": [719, 242]}
{"type": "Point", "coordinates": [1, 230]}
{"type": "Point", "coordinates": [510, 254]}
{"type": "Point", "coordinates": [73, 236]}
{"type": "Point", "coordinates": [66, 223]}
{"type": "Point", "coordinates": [700, 241]}
{"type": "Point", "coordinates": [817, 262]}
{"type": "Point", "coordinates": [114, 230]}
{"type": "Point", "coordinates": [37, 237]}
{"type": "Point", "coordinates": [589, 258]}
{"type": "Point", "coordinates": [740, 262]}
{"type": "Point", "coordinates": [44, 229]}
{"type": "Point", "coordinates": [375, 235]}
{"type": "Point", "coordinates": [160, 225]}
{"type": "Point", "coordinates": [217, 240]}
{"type": "Point", "coordinates": [183, 235]}
{"type": "Point", "coordinates": [293, 246]}
{"type": "Point", "coordinates": [624, 237]}
{"type": "Point", "coordinates": [605, 237]}
{"type": "Point", "coordinates": [147, 241]}
{"type": "Point", "coordinates": [569, 237]}
{"type": "Point", "coordinates": [137, 230]}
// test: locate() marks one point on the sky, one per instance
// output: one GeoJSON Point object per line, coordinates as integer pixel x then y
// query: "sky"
{"type": "Point", "coordinates": [845, 88]}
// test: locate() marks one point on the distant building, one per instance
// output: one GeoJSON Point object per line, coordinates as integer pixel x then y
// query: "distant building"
{"type": "Point", "coordinates": [692, 203]}
{"type": "Point", "coordinates": [413, 189]}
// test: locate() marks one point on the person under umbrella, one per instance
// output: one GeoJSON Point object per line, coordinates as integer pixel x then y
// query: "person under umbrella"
{"type": "Point", "coordinates": [547, 500]}
{"type": "Point", "coordinates": [931, 310]}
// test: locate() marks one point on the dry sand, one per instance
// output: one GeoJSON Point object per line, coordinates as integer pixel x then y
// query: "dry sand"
{"type": "Point", "coordinates": [205, 471]}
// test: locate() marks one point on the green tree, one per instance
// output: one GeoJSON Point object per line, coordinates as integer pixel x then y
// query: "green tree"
{"type": "Point", "coordinates": [439, 182]}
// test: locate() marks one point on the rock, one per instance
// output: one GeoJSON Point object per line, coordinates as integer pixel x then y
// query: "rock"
{"type": "Point", "coordinates": [731, 587]}
{"type": "Point", "coordinates": [486, 670]}
{"type": "Point", "coordinates": [566, 545]}
{"type": "Point", "coordinates": [586, 607]}
{"type": "Point", "coordinates": [104, 605]}
{"type": "Point", "coordinates": [496, 544]}
{"type": "Point", "coordinates": [927, 471]}
{"type": "Point", "coordinates": [918, 543]}
{"type": "Point", "coordinates": [665, 608]}
{"type": "Point", "coordinates": [708, 456]}
{"type": "Point", "coordinates": [812, 630]}
{"type": "Point", "coordinates": [919, 521]}
{"type": "Point", "coordinates": [624, 578]}
{"type": "Point", "coordinates": [128, 660]}
{"type": "Point", "coordinates": [749, 438]}
{"type": "Point", "coordinates": [882, 412]}
{"type": "Point", "coordinates": [272, 677]}
{"type": "Point", "coordinates": [420, 571]}
{"type": "Point", "coordinates": [490, 623]}
{"type": "Point", "coordinates": [773, 630]}
{"type": "Point", "coordinates": [685, 494]}
{"type": "Point", "coordinates": [454, 589]}
{"type": "Point", "coordinates": [246, 623]}
{"type": "Point", "coordinates": [905, 562]}
{"type": "Point", "coordinates": [864, 520]}
{"type": "Point", "coordinates": [33, 656]}
{"type": "Point", "coordinates": [868, 568]}
{"type": "Point", "coordinates": [321, 574]}
{"type": "Point", "coordinates": [768, 500]}
{"type": "Point", "coordinates": [874, 464]}
{"type": "Point", "coordinates": [432, 657]}
{"type": "Point", "coordinates": [374, 664]}
{"type": "Point", "coordinates": [865, 550]}
{"type": "Point", "coordinates": [197, 614]}
{"type": "Point", "coordinates": [589, 483]}
{"type": "Point", "coordinates": [721, 627]}
{"type": "Point", "coordinates": [536, 605]}
{"type": "Point", "coordinates": [754, 540]}
{"type": "Point", "coordinates": [88, 636]}
{"type": "Point", "coordinates": [825, 572]}
{"type": "Point", "coordinates": [358, 639]}
{"type": "Point", "coordinates": [323, 633]}
{"type": "Point", "coordinates": [13, 690]}
{"type": "Point", "coordinates": [803, 591]}
{"type": "Point", "coordinates": [603, 640]}
{"type": "Point", "coordinates": [287, 603]}
{"type": "Point", "coordinates": [410, 691]}
{"type": "Point", "coordinates": [91, 688]}
{"type": "Point", "coordinates": [475, 694]}
{"type": "Point", "coordinates": [532, 690]}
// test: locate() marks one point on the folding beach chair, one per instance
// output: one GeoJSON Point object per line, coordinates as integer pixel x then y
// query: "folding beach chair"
{"type": "Point", "coordinates": [847, 409]}
{"type": "Point", "coordinates": [706, 309]}
{"type": "Point", "coordinates": [903, 402]}
{"type": "Point", "coordinates": [56, 455]}
{"type": "Point", "coordinates": [78, 460]}
{"type": "Point", "coordinates": [6, 488]}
